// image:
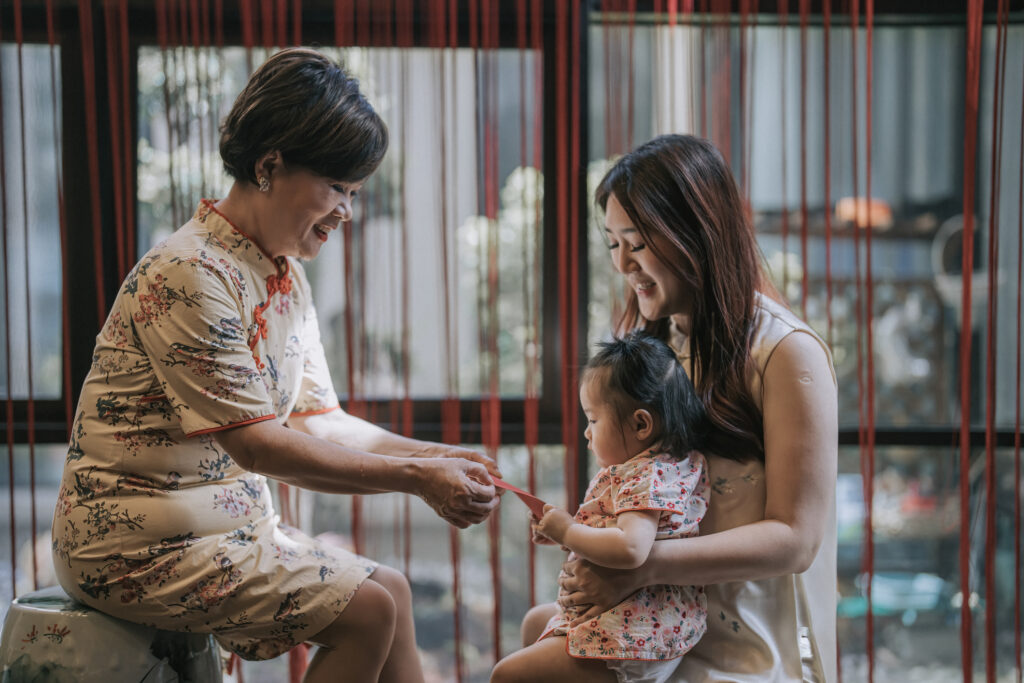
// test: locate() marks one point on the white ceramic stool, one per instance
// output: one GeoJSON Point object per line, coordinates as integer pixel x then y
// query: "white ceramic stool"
{"type": "Point", "coordinates": [47, 636]}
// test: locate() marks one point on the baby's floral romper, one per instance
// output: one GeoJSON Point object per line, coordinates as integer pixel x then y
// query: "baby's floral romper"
{"type": "Point", "coordinates": [656, 622]}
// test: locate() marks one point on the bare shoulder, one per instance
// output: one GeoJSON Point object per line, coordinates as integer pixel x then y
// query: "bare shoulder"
{"type": "Point", "coordinates": [799, 359]}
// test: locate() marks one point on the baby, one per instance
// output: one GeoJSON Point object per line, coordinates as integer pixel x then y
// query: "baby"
{"type": "Point", "coordinates": [644, 422]}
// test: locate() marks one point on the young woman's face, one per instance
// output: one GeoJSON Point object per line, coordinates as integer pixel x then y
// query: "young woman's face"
{"type": "Point", "coordinates": [660, 292]}
{"type": "Point", "coordinates": [306, 211]}
{"type": "Point", "coordinates": [612, 441]}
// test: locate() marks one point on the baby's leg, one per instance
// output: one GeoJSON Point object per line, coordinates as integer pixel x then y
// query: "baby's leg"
{"type": "Point", "coordinates": [535, 621]}
{"type": "Point", "coordinates": [373, 639]}
{"type": "Point", "coordinates": [547, 660]}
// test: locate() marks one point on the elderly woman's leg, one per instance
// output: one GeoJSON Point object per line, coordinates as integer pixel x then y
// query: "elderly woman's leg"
{"type": "Point", "coordinates": [403, 664]}
{"type": "Point", "coordinates": [373, 639]}
{"type": "Point", "coordinates": [356, 646]}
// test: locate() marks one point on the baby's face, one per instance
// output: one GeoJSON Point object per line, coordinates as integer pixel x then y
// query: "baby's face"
{"type": "Point", "coordinates": [607, 436]}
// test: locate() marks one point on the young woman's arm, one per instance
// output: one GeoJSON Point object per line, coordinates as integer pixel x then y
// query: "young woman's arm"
{"type": "Point", "coordinates": [624, 546]}
{"type": "Point", "coordinates": [801, 453]}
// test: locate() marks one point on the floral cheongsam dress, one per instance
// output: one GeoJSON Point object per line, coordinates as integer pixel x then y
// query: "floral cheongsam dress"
{"type": "Point", "coordinates": [155, 523]}
{"type": "Point", "coordinates": [656, 622]}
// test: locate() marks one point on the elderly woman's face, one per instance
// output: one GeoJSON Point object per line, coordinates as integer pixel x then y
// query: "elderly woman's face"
{"type": "Point", "coordinates": [307, 209]}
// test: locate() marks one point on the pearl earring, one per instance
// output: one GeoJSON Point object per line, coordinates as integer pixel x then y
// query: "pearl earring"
{"type": "Point", "coordinates": [264, 182]}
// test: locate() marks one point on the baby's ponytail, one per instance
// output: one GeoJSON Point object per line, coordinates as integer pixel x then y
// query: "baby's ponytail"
{"type": "Point", "coordinates": [643, 372]}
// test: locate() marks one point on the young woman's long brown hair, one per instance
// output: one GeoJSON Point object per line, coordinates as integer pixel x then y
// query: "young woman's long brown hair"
{"type": "Point", "coordinates": [679, 186]}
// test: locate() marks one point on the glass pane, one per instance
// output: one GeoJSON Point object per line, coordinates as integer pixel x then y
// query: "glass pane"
{"type": "Point", "coordinates": [916, 187]}
{"type": "Point", "coordinates": [916, 593]}
{"type": "Point", "coordinates": [46, 462]}
{"type": "Point", "coordinates": [31, 281]}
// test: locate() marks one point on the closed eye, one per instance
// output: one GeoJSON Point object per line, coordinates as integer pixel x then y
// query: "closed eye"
{"type": "Point", "coordinates": [340, 189]}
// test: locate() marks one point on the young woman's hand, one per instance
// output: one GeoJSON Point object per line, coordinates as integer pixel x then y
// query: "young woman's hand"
{"type": "Point", "coordinates": [594, 589]}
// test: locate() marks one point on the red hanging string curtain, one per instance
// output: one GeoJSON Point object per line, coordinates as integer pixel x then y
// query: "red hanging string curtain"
{"type": "Point", "coordinates": [869, 312]}
{"type": "Point", "coordinates": [827, 171]}
{"type": "Point", "coordinates": [998, 99]}
{"type": "Point", "coordinates": [805, 15]}
{"type": "Point", "coordinates": [1017, 411]}
{"type": "Point", "coordinates": [975, 10]}
{"type": "Point", "coordinates": [9, 403]}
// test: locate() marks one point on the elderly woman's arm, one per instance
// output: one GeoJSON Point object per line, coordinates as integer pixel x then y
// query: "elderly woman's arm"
{"type": "Point", "coordinates": [459, 490]}
{"type": "Point", "coordinates": [341, 428]}
{"type": "Point", "coordinates": [801, 452]}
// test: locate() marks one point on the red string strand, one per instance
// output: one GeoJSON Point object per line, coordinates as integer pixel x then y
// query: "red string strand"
{"type": "Point", "coordinates": [1017, 412]}
{"type": "Point", "coordinates": [128, 147]}
{"type": "Point", "coordinates": [31, 402]}
{"type": "Point", "coordinates": [998, 99]}
{"type": "Point", "coordinates": [783, 11]}
{"type": "Point", "coordinates": [827, 26]}
{"type": "Point", "coordinates": [975, 9]}
{"type": "Point", "coordinates": [9, 404]}
{"type": "Point", "coordinates": [117, 160]}
{"type": "Point", "coordinates": [532, 407]}
{"type": "Point", "coordinates": [92, 149]}
{"type": "Point", "coordinates": [869, 293]}
{"type": "Point", "coordinates": [805, 12]}
{"type": "Point", "coordinates": [51, 36]}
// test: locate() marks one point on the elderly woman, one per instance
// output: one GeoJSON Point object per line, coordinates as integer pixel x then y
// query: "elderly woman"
{"type": "Point", "coordinates": [209, 376]}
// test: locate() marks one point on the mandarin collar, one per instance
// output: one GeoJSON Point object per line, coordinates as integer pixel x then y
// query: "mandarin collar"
{"type": "Point", "coordinates": [237, 241]}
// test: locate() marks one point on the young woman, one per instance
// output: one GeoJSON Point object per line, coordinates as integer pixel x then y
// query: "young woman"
{"type": "Point", "coordinates": [209, 376]}
{"type": "Point", "coordinates": [679, 232]}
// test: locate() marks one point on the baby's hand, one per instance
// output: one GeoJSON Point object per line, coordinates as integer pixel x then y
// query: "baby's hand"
{"type": "Point", "coordinates": [536, 536]}
{"type": "Point", "coordinates": [554, 523]}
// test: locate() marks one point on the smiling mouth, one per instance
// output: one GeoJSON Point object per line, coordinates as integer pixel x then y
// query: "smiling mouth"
{"type": "Point", "coordinates": [322, 231]}
{"type": "Point", "coordinates": [644, 288]}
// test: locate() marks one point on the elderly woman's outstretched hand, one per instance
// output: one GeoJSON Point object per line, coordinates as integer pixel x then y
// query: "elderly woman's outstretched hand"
{"type": "Point", "coordinates": [459, 490]}
{"type": "Point", "coordinates": [594, 589]}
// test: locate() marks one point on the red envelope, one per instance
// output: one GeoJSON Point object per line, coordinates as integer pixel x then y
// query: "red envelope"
{"type": "Point", "coordinates": [535, 504]}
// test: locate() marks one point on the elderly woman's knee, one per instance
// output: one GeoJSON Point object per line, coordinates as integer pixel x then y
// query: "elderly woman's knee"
{"type": "Point", "coordinates": [395, 583]}
{"type": "Point", "coordinates": [370, 615]}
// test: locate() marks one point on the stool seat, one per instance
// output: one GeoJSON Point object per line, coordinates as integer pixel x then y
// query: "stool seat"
{"type": "Point", "coordinates": [47, 636]}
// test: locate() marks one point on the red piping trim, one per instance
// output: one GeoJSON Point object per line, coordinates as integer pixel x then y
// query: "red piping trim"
{"type": "Point", "coordinates": [221, 428]}
{"type": "Point", "coordinates": [307, 413]}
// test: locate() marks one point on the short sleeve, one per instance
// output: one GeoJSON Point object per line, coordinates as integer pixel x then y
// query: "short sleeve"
{"type": "Point", "coordinates": [678, 486]}
{"type": "Point", "coordinates": [187, 317]}
{"type": "Point", "coordinates": [316, 393]}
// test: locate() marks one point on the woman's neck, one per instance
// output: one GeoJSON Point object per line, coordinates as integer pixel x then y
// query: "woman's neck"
{"type": "Point", "coordinates": [682, 322]}
{"type": "Point", "coordinates": [243, 207]}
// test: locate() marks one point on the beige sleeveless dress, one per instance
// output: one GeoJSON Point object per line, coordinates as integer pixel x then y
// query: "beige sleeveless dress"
{"type": "Point", "coordinates": [778, 629]}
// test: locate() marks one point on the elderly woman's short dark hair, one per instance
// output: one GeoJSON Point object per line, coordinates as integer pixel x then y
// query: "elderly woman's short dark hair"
{"type": "Point", "coordinates": [306, 107]}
